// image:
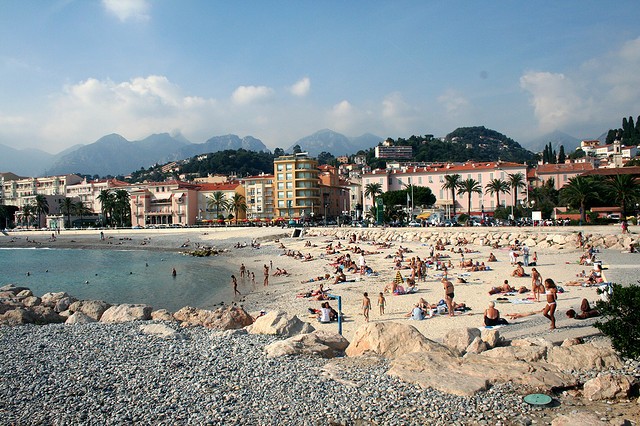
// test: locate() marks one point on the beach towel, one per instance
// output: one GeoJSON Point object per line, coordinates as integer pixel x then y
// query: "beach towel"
{"type": "Point", "coordinates": [521, 301]}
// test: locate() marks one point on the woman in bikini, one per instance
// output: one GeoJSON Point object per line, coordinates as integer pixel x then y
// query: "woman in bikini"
{"type": "Point", "coordinates": [552, 297]}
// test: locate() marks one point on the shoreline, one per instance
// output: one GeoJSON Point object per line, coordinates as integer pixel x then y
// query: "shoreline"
{"type": "Point", "coordinates": [282, 291]}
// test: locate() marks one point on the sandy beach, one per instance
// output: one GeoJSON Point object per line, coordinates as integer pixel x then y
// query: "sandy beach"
{"type": "Point", "coordinates": [281, 293]}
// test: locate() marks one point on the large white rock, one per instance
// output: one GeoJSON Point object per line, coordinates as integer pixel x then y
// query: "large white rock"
{"type": "Point", "coordinates": [391, 340]}
{"type": "Point", "coordinates": [227, 318]}
{"type": "Point", "coordinates": [460, 338]}
{"type": "Point", "coordinates": [583, 357]}
{"type": "Point", "coordinates": [301, 344]}
{"type": "Point", "coordinates": [578, 418]}
{"type": "Point", "coordinates": [50, 299]}
{"type": "Point", "coordinates": [608, 386]}
{"type": "Point", "coordinates": [91, 308]}
{"type": "Point", "coordinates": [491, 336]}
{"type": "Point", "coordinates": [517, 353]}
{"type": "Point", "coordinates": [279, 323]}
{"type": "Point", "coordinates": [126, 313]}
{"type": "Point", "coordinates": [161, 330]}
{"type": "Point", "coordinates": [79, 318]}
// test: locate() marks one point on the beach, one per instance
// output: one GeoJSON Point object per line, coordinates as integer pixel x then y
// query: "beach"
{"type": "Point", "coordinates": [282, 292]}
{"type": "Point", "coordinates": [115, 373]}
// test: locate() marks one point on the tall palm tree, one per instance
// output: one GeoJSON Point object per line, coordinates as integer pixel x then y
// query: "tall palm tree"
{"type": "Point", "coordinates": [237, 204]}
{"type": "Point", "coordinates": [80, 209]}
{"type": "Point", "coordinates": [452, 183]}
{"type": "Point", "coordinates": [41, 206]}
{"type": "Point", "coordinates": [580, 191]}
{"type": "Point", "coordinates": [624, 189]}
{"type": "Point", "coordinates": [218, 201]}
{"type": "Point", "coordinates": [107, 203]}
{"type": "Point", "coordinates": [67, 207]}
{"type": "Point", "coordinates": [372, 190]}
{"type": "Point", "coordinates": [122, 205]}
{"type": "Point", "coordinates": [469, 186]}
{"type": "Point", "coordinates": [497, 186]}
{"type": "Point", "coordinates": [27, 213]}
{"type": "Point", "coordinates": [516, 181]}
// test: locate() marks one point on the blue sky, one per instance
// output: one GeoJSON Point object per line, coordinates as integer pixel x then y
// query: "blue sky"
{"type": "Point", "coordinates": [73, 71]}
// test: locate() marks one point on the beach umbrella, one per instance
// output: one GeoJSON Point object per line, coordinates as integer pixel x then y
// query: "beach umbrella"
{"type": "Point", "coordinates": [398, 279]}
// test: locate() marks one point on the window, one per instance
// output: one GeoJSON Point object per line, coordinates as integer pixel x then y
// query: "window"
{"type": "Point", "coordinates": [491, 176]}
{"type": "Point", "coordinates": [289, 176]}
{"type": "Point", "coordinates": [280, 167]}
{"type": "Point", "coordinates": [479, 177]}
{"type": "Point", "coordinates": [280, 203]}
{"type": "Point", "coordinates": [280, 194]}
{"type": "Point", "coordinates": [289, 185]}
{"type": "Point", "coordinates": [289, 166]}
{"type": "Point", "coordinates": [280, 176]}
{"type": "Point", "coordinates": [420, 180]}
{"type": "Point", "coordinates": [441, 193]}
{"type": "Point", "coordinates": [430, 180]}
{"type": "Point", "coordinates": [289, 194]}
{"type": "Point", "coordinates": [280, 185]}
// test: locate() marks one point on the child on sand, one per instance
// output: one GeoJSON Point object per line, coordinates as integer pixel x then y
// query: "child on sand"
{"type": "Point", "coordinates": [381, 303]}
{"type": "Point", "coordinates": [366, 306]}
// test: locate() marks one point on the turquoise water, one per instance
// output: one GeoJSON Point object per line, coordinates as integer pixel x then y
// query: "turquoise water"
{"type": "Point", "coordinates": [119, 276]}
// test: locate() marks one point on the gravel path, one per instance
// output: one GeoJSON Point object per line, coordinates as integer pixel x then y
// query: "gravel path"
{"type": "Point", "coordinates": [115, 374]}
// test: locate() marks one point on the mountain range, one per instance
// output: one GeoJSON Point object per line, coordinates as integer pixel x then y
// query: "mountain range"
{"type": "Point", "coordinates": [114, 155]}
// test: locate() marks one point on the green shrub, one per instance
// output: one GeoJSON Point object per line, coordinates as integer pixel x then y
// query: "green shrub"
{"type": "Point", "coordinates": [620, 319]}
{"type": "Point", "coordinates": [463, 218]}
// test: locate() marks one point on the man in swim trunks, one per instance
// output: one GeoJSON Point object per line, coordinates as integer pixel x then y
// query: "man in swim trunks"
{"type": "Point", "coordinates": [448, 295]}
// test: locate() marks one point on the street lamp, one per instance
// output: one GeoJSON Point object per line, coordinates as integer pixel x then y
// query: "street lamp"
{"type": "Point", "coordinates": [326, 206]}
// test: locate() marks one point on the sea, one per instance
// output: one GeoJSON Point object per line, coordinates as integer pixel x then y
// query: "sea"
{"type": "Point", "coordinates": [121, 276]}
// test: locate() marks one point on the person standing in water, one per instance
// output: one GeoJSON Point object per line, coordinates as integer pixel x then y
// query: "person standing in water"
{"type": "Point", "coordinates": [234, 282]}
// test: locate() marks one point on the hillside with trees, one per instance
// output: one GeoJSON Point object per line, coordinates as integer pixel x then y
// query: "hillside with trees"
{"type": "Point", "coordinates": [629, 133]}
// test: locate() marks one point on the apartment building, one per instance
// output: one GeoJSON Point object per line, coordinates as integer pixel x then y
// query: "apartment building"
{"type": "Point", "coordinates": [560, 173]}
{"type": "Point", "coordinates": [259, 197]}
{"type": "Point", "coordinates": [205, 195]}
{"type": "Point", "coordinates": [433, 177]}
{"type": "Point", "coordinates": [296, 187]}
{"type": "Point", "coordinates": [164, 203]}
{"type": "Point", "coordinates": [334, 191]}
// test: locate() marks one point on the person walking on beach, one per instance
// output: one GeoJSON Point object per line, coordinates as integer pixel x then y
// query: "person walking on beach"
{"type": "Point", "coordinates": [552, 297]}
{"type": "Point", "coordinates": [266, 275]}
{"type": "Point", "coordinates": [362, 263]}
{"type": "Point", "coordinates": [234, 282]}
{"type": "Point", "coordinates": [366, 306]}
{"type": "Point", "coordinates": [536, 284]}
{"type": "Point", "coordinates": [242, 269]}
{"type": "Point", "coordinates": [381, 303]}
{"type": "Point", "coordinates": [253, 279]}
{"type": "Point", "coordinates": [448, 295]}
{"type": "Point", "coordinates": [525, 255]}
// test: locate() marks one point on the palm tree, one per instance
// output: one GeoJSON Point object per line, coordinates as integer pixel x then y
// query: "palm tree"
{"type": "Point", "coordinates": [218, 201]}
{"type": "Point", "coordinates": [27, 213]}
{"type": "Point", "coordinates": [107, 202]}
{"type": "Point", "coordinates": [122, 205]}
{"type": "Point", "coordinates": [496, 186]}
{"type": "Point", "coordinates": [452, 183]}
{"type": "Point", "coordinates": [41, 206]}
{"type": "Point", "coordinates": [469, 186]}
{"type": "Point", "coordinates": [67, 207]}
{"type": "Point", "coordinates": [579, 192]}
{"type": "Point", "coordinates": [81, 210]}
{"type": "Point", "coordinates": [624, 189]}
{"type": "Point", "coordinates": [237, 203]}
{"type": "Point", "coordinates": [372, 190]}
{"type": "Point", "coordinates": [516, 181]}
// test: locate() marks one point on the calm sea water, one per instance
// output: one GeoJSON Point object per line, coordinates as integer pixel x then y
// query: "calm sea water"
{"type": "Point", "coordinates": [133, 276]}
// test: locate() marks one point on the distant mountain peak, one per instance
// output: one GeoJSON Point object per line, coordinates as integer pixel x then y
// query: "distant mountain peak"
{"type": "Point", "coordinates": [327, 140]}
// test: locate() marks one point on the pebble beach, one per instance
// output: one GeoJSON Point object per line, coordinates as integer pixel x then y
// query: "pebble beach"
{"type": "Point", "coordinates": [116, 374]}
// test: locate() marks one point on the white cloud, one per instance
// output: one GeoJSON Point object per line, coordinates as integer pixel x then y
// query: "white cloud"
{"type": "Point", "coordinates": [250, 94]}
{"type": "Point", "coordinates": [398, 115]}
{"type": "Point", "coordinates": [555, 99]}
{"type": "Point", "coordinates": [124, 10]}
{"type": "Point", "coordinates": [301, 88]}
{"type": "Point", "coordinates": [453, 102]}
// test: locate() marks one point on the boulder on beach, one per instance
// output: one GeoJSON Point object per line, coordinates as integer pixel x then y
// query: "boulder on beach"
{"type": "Point", "coordinates": [391, 340]}
{"type": "Point", "coordinates": [46, 315]}
{"type": "Point", "coordinates": [459, 339]}
{"type": "Point", "coordinates": [160, 330]}
{"type": "Point", "coordinates": [79, 318]}
{"type": "Point", "coordinates": [11, 288]}
{"type": "Point", "coordinates": [50, 299]}
{"type": "Point", "coordinates": [126, 313]}
{"type": "Point", "coordinates": [318, 343]}
{"type": "Point", "coordinates": [227, 318]}
{"type": "Point", "coordinates": [17, 316]}
{"type": "Point", "coordinates": [279, 323]}
{"type": "Point", "coordinates": [583, 357]}
{"type": "Point", "coordinates": [608, 387]}
{"type": "Point", "coordinates": [578, 418]}
{"type": "Point", "coordinates": [162, 315]}
{"type": "Point", "coordinates": [91, 308]}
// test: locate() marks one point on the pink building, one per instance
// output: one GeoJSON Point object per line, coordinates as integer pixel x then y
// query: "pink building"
{"type": "Point", "coordinates": [164, 203]}
{"type": "Point", "coordinates": [560, 173]}
{"type": "Point", "coordinates": [433, 176]}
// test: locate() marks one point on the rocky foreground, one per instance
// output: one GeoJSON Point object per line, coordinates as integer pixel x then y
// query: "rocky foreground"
{"type": "Point", "coordinates": [126, 364]}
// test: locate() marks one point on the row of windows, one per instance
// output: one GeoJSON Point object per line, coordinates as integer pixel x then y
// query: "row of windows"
{"type": "Point", "coordinates": [289, 166]}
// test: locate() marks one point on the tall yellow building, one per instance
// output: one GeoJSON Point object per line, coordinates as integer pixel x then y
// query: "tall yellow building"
{"type": "Point", "coordinates": [296, 186]}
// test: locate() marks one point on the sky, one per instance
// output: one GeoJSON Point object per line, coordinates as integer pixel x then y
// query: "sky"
{"type": "Point", "coordinates": [72, 71]}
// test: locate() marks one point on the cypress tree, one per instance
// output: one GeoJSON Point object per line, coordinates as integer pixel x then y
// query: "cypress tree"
{"type": "Point", "coordinates": [561, 155]}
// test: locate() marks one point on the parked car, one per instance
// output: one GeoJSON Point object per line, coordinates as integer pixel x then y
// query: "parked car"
{"type": "Point", "coordinates": [415, 224]}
